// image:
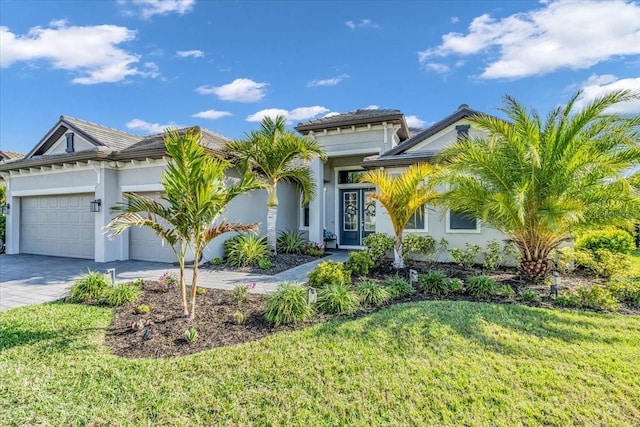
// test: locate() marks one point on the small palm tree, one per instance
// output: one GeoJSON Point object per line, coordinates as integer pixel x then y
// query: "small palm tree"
{"type": "Point", "coordinates": [276, 155]}
{"type": "Point", "coordinates": [196, 193]}
{"type": "Point", "coordinates": [537, 180]}
{"type": "Point", "coordinates": [402, 196]}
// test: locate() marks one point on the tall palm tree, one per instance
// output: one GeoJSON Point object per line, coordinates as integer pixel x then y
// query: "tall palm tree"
{"type": "Point", "coordinates": [402, 196]}
{"type": "Point", "coordinates": [536, 180]}
{"type": "Point", "coordinates": [196, 194]}
{"type": "Point", "coordinates": [276, 155]}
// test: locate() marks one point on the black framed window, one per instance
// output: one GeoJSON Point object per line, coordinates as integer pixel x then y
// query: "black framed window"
{"type": "Point", "coordinates": [349, 177]}
{"type": "Point", "coordinates": [462, 221]}
{"type": "Point", "coordinates": [418, 219]}
{"type": "Point", "coordinates": [305, 216]}
{"type": "Point", "coordinates": [70, 147]}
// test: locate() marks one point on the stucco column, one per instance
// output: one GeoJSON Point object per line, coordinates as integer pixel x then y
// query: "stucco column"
{"type": "Point", "coordinates": [107, 191]}
{"type": "Point", "coordinates": [316, 206]}
{"type": "Point", "coordinates": [12, 227]}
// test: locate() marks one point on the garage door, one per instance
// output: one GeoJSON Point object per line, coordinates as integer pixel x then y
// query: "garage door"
{"type": "Point", "coordinates": [145, 245]}
{"type": "Point", "coordinates": [58, 225]}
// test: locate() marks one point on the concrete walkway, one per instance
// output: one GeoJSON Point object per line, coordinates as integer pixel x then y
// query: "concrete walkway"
{"type": "Point", "coordinates": [34, 279]}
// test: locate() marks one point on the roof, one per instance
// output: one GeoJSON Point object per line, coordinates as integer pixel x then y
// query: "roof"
{"type": "Point", "coordinates": [357, 117]}
{"type": "Point", "coordinates": [6, 155]}
{"type": "Point", "coordinates": [210, 140]}
{"type": "Point", "coordinates": [112, 138]}
{"type": "Point", "coordinates": [399, 155]}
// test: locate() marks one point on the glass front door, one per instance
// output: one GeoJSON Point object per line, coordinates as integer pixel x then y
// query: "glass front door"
{"type": "Point", "coordinates": [357, 215]}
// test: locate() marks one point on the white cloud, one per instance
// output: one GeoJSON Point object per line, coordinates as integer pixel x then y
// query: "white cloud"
{"type": "Point", "coordinates": [561, 34]}
{"type": "Point", "coordinates": [195, 53]}
{"type": "Point", "coordinates": [295, 115]}
{"type": "Point", "coordinates": [328, 82]}
{"type": "Point", "coordinates": [414, 122]}
{"type": "Point", "coordinates": [362, 23]}
{"type": "Point", "coordinates": [240, 90]}
{"type": "Point", "coordinates": [212, 114]}
{"type": "Point", "coordinates": [597, 86]}
{"type": "Point", "coordinates": [149, 8]}
{"type": "Point", "coordinates": [454, 19]}
{"type": "Point", "coordinates": [372, 107]}
{"type": "Point", "coordinates": [437, 67]}
{"type": "Point", "coordinates": [137, 124]}
{"type": "Point", "coordinates": [90, 52]}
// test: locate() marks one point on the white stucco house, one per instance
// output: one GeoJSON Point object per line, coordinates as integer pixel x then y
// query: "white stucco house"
{"type": "Point", "coordinates": [59, 194]}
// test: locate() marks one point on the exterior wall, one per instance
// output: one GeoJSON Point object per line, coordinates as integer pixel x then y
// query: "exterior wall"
{"type": "Point", "coordinates": [79, 144]}
{"type": "Point", "coordinates": [444, 138]}
{"type": "Point", "coordinates": [357, 140]}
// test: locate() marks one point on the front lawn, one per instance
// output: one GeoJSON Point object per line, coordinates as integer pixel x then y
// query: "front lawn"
{"type": "Point", "coordinates": [425, 363]}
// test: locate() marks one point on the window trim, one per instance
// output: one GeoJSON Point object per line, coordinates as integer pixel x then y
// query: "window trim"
{"type": "Point", "coordinates": [425, 216]}
{"type": "Point", "coordinates": [70, 142]}
{"type": "Point", "coordinates": [450, 230]}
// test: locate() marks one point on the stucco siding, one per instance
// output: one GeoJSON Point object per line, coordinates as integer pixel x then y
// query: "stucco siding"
{"type": "Point", "coordinates": [445, 138]}
{"type": "Point", "coordinates": [40, 183]}
{"type": "Point", "coordinates": [79, 144]}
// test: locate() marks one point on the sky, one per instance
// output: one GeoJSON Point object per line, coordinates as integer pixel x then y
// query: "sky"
{"type": "Point", "coordinates": [144, 65]}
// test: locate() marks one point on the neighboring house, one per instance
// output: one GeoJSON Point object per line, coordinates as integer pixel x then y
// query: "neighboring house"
{"type": "Point", "coordinates": [365, 139]}
{"type": "Point", "coordinates": [60, 194]}
{"type": "Point", "coordinates": [8, 156]}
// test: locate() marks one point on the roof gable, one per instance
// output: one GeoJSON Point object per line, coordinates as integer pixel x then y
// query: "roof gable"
{"type": "Point", "coordinates": [355, 118]}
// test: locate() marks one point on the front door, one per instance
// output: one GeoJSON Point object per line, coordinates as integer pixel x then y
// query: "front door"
{"type": "Point", "coordinates": [357, 215]}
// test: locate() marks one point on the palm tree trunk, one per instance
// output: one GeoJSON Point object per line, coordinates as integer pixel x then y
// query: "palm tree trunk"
{"type": "Point", "coordinates": [272, 214]}
{"type": "Point", "coordinates": [194, 288]}
{"type": "Point", "coordinates": [183, 289]}
{"type": "Point", "coordinates": [398, 260]}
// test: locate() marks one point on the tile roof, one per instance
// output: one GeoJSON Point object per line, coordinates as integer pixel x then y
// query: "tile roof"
{"type": "Point", "coordinates": [6, 155]}
{"type": "Point", "coordinates": [210, 140]}
{"type": "Point", "coordinates": [361, 116]}
{"type": "Point", "coordinates": [112, 138]}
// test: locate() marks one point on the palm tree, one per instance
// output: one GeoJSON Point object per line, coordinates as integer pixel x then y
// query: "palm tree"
{"type": "Point", "coordinates": [402, 196]}
{"type": "Point", "coordinates": [537, 180]}
{"type": "Point", "coordinates": [196, 195]}
{"type": "Point", "coordinates": [276, 155]}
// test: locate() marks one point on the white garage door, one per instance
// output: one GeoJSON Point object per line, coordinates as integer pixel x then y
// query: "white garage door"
{"type": "Point", "coordinates": [58, 225]}
{"type": "Point", "coordinates": [145, 245]}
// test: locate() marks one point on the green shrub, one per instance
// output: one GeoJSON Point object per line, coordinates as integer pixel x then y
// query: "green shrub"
{"type": "Point", "coordinates": [569, 299]}
{"type": "Point", "coordinates": [441, 247]}
{"type": "Point", "coordinates": [505, 290]}
{"type": "Point", "coordinates": [372, 293]}
{"type": "Point", "coordinates": [217, 261]}
{"type": "Point", "coordinates": [359, 263]}
{"type": "Point", "coordinates": [313, 249]}
{"type": "Point", "coordinates": [564, 259]}
{"type": "Point", "coordinates": [603, 263]}
{"type": "Point", "coordinates": [246, 249]}
{"type": "Point", "coordinates": [530, 296]}
{"type": "Point", "coordinates": [329, 273]}
{"type": "Point", "coordinates": [191, 335]}
{"type": "Point", "coordinates": [239, 292]}
{"type": "Point", "coordinates": [288, 304]}
{"type": "Point", "coordinates": [465, 257]}
{"type": "Point", "coordinates": [3, 226]}
{"type": "Point", "coordinates": [398, 286]}
{"type": "Point", "coordinates": [167, 281]}
{"type": "Point", "coordinates": [625, 290]}
{"type": "Point", "coordinates": [455, 286]}
{"type": "Point", "coordinates": [434, 282]}
{"type": "Point", "coordinates": [202, 291]}
{"type": "Point", "coordinates": [290, 242]}
{"type": "Point", "coordinates": [120, 295]}
{"type": "Point", "coordinates": [597, 297]}
{"type": "Point", "coordinates": [613, 240]}
{"type": "Point", "coordinates": [143, 309]}
{"type": "Point", "coordinates": [481, 286]}
{"type": "Point", "coordinates": [377, 244]}
{"type": "Point", "coordinates": [493, 256]}
{"type": "Point", "coordinates": [90, 288]}
{"type": "Point", "coordinates": [265, 263]}
{"type": "Point", "coordinates": [420, 245]}
{"type": "Point", "coordinates": [237, 317]}
{"type": "Point", "coordinates": [337, 299]}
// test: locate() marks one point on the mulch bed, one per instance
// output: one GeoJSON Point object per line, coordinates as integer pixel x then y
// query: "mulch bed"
{"type": "Point", "coordinates": [279, 263]}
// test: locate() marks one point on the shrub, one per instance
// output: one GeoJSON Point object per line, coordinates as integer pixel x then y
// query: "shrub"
{"type": "Point", "coordinates": [420, 245]}
{"type": "Point", "coordinates": [291, 242]}
{"type": "Point", "coordinates": [202, 291]}
{"type": "Point", "coordinates": [167, 281]}
{"type": "Point", "coordinates": [359, 263]}
{"type": "Point", "coordinates": [143, 309]}
{"type": "Point", "coordinates": [191, 335]}
{"type": "Point", "coordinates": [120, 295]}
{"type": "Point", "coordinates": [625, 290]}
{"type": "Point", "coordinates": [455, 286]}
{"type": "Point", "coordinates": [265, 263]}
{"type": "Point", "coordinates": [465, 257]}
{"type": "Point", "coordinates": [565, 260]}
{"type": "Point", "coordinates": [217, 261]}
{"type": "Point", "coordinates": [438, 250]}
{"type": "Point", "coordinates": [313, 249]}
{"type": "Point", "coordinates": [530, 296]}
{"type": "Point", "coordinates": [329, 273]}
{"type": "Point", "coordinates": [511, 251]}
{"type": "Point", "coordinates": [398, 286]}
{"type": "Point", "coordinates": [288, 304]}
{"type": "Point", "coordinates": [372, 293]}
{"type": "Point", "coordinates": [90, 288]}
{"type": "Point", "coordinates": [505, 290]}
{"type": "Point", "coordinates": [613, 240]}
{"type": "Point", "coordinates": [434, 282]}
{"type": "Point", "coordinates": [602, 262]}
{"type": "Point", "coordinates": [237, 317]}
{"type": "Point", "coordinates": [493, 256]}
{"type": "Point", "coordinates": [597, 297]}
{"type": "Point", "coordinates": [337, 299]}
{"type": "Point", "coordinates": [569, 299]}
{"type": "Point", "coordinates": [377, 244]}
{"type": "Point", "coordinates": [239, 292]}
{"type": "Point", "coordinates": [246, 249]}
{"type": "Point", "coordinates": [481, 286]}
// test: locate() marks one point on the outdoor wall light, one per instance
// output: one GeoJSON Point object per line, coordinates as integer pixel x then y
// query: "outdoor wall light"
{"type": "Point", "coordinates": [4, 209]}
{"type": "Point", "coordinates": [94, 206]}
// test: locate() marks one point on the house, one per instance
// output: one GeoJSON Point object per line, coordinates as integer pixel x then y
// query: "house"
{"type": "Point", "coordinates": [7, 156]}
{"type": "Point", "coordinates": [365, 139]}
{"type": "Point", "coordinates": [60, 193]}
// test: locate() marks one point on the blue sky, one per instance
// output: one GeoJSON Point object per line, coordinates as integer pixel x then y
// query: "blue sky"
{"type": "Point", "coordinates": [142, 65]}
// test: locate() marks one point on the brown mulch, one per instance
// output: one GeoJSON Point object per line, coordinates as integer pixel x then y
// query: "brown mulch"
{"type": "Point", "coordinates": [279, 263]}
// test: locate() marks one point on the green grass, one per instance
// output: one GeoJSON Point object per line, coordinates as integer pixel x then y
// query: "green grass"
{"type": "Point", "coordinates": [428, 363]}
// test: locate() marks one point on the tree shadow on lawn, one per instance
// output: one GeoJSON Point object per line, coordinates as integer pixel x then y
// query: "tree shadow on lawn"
{"type": "Point", "coordinates": [472, 321]}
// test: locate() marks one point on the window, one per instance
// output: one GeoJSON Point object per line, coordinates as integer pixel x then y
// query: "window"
{"type": "Point", "coordinates": [461, 223]}
{"type": "Point", "coordinates": [462, 132]}
{"type": "Point", "coordinates": [419, 220]}
{"type": "Point", "coordinates": [349, 177]}
{"type": "Point", "coordinates": [305, 216]}
{"type": "Point", "coordinates": [70, 147]}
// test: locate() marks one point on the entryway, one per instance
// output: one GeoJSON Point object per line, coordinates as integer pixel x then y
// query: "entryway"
{"type": "Point", "coordinates": [357, 215]}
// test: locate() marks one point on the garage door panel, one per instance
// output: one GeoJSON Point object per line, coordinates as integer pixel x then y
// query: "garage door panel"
{"type": "Point", "coordinates": [146, 245]}
{"type": "Point", "coordinates": [58, 225]}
